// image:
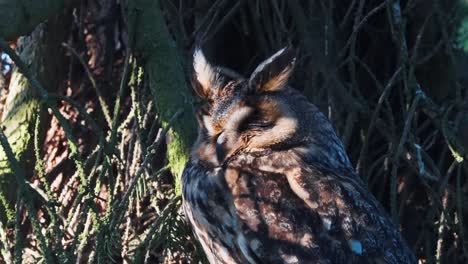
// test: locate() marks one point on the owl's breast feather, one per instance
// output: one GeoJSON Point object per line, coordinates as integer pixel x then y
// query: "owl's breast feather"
{"type": "Point", "coordinates": [283, 208]}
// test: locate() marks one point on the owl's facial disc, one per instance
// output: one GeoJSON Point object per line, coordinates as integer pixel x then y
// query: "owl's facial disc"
{"type": "Point", "coordinates": [243, 114]}
{"type": "Point", "coordinates": [255, 124]}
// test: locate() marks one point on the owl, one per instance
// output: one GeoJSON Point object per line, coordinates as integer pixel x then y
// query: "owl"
{"type": "Point", "coordinates": [269, 181]}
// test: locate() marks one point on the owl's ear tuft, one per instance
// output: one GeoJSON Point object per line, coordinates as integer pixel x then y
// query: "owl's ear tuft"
{"type": "Point", "coordinates": [273, 74]}
{"type": "Point", "coordinates": [205, 76]}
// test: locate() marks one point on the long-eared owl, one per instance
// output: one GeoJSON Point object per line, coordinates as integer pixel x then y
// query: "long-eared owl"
{"type": "Point", "coordinates": [269, 181]}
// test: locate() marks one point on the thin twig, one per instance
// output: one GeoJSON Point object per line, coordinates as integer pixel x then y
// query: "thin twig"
{"type": "Point", "coordinates": [102, 102]}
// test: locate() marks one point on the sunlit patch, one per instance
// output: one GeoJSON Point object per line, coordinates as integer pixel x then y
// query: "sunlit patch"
{"type": "Point", "coordinates": [276, 77]}
{"type": "Point", "coordinates": [327, 223]}
{"type": "Point", "coordinates": [289, 258]}
{"type": "Point", "coordinates": [205, 73]}
{"type": "Point", "coordinates": [307, 240]}
{"type": "Point", "coordinates": [293, 177]}
{"type": "Point", "coordinates": [207, 122]}
{"type": "Point", "coordinates": [237, 117]}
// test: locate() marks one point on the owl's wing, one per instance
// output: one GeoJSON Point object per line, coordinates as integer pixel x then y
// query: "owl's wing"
{"type": "Point", "coordinates": [310, 214]}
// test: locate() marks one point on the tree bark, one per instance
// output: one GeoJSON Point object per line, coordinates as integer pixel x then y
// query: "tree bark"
{"type": "Point", "coordinates": [39, 51]}
{"type": "Point", "coordinates": [163, 66]}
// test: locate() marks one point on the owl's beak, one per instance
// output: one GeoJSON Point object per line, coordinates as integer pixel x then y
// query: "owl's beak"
{"type": "Point", "coordinates": [221, 149]}
{"type": "Point", "coordinates": [227, 143]}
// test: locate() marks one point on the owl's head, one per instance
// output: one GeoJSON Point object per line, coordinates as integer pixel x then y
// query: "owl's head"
{"type": "Point", "coordinates": [251, 114]}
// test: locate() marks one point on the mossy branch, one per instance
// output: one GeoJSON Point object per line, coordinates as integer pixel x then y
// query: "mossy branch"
{"type": "Point", "coordinates": [25, 194]}
{"type": "Point", "coordinates": [20, 17]}
{"type": "Point", "coordinates": [163, 66]}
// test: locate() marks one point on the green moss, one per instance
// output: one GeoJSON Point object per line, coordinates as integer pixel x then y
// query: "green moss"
{"type": "Point", "coordinates": [462, 34]}
{"type": "Point", "coordinates": [163, 66]}
{"type": "Point", "coordinates": [178, 157]}
{"type": "Point", "coordinates": [18, 129]}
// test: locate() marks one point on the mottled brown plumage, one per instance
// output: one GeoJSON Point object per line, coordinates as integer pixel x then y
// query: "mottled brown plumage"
{"type": "Point", "coordinates": [269, 181]}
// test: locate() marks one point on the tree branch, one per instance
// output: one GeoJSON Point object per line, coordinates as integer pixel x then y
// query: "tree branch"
{"type": "Point", "coordinates": [20, 17]}
{"type": "Point", "coordinates": [163, 66]}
